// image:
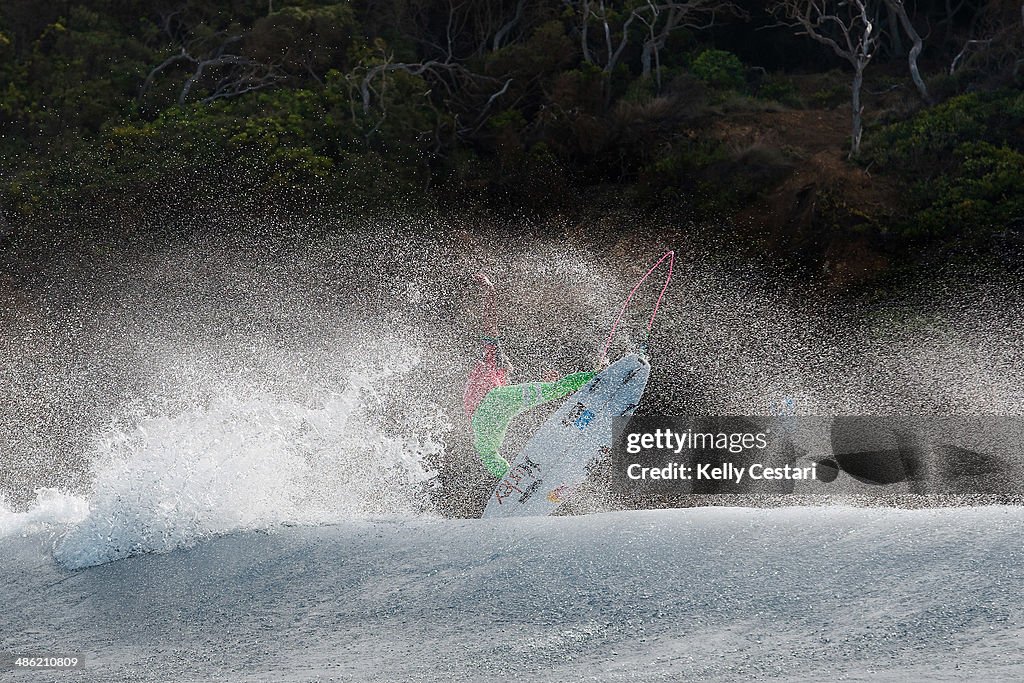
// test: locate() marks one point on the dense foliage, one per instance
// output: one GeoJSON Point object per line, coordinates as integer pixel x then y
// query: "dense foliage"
{"type": "Point", "coordinates": [538, 105]}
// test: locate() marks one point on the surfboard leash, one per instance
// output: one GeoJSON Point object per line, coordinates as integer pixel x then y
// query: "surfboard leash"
{"type": "Point", "coordinates": [671, 257]}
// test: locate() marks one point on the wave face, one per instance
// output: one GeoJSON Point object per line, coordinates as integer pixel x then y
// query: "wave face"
{"type": "Point", "coordinates": [712, 594]}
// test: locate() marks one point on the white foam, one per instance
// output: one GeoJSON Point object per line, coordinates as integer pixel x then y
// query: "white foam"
{"type": "Point", "coordinates": [50, 509]}
{"type": "Point", "coordinates": [249, 462]}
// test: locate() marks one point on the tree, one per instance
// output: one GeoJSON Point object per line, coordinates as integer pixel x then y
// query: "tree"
{"type": "Point", "coordinates": [998, 49]}
{"type": "Point", "coordinates": [616, 21]}
{"type": "Point", "coordinates": [306, 42]}
{"type": "Point", "coordinates": [664, 18]}
{"type": "Point", "coordinates": [212, 59]}
{"type": "Point", "coordinates": [847, 27]}
{"type": "Point", "coordinates": [898, 10]}
{"type": "Point", "coordinates": [451, 35]}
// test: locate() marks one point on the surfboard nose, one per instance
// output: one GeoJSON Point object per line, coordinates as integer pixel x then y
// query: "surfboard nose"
{"type": "Point", "coordinates": [639, 357]}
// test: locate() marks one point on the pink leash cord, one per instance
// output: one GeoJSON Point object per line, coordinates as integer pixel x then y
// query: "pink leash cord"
{"type": "Point", "coordinates": [671, 256]}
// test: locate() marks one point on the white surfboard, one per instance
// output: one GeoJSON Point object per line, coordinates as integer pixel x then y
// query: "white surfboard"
{"type": "Point", "coordinates": [554, 461]}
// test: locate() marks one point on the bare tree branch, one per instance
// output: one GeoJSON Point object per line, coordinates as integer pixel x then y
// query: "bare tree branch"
{"type": "Point", "coordinates": [897, 8]}
{"type": "Point", "coordinates": [659, 18]}
{"type": "Point", "coordinates": [499, 37]}
{"type": "Point", "coordinates": [238, 74]}
{"type": "Point", "coordinates": [167, 63]}
{"type": "Point", "coordinates": [960, 55]}
{"type": "Point", "coordinates": [845, 26]}
{"type": "Point", "coordinates": [664, 18]}
{"type": "Point", "coordinates": [414, 69]}
{"type": "Point", "coordinates": [204, 64]}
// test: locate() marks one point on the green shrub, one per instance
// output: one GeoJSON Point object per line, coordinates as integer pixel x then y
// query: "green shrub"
{"type": "Point", "coordinates": [980, 196]}
{"type": "Point", "coordinates": [780, 89]}
{"type": "Point", "coordinates": [931, 138]}
{"type": "Point", "coordinates": [639, 91]}
{"type": "Point", "coordinates": [719, 69]}
{"type": "Point", "coordinates": [831, 96]}
{"type": "Point", "coordinates": [508, 119]}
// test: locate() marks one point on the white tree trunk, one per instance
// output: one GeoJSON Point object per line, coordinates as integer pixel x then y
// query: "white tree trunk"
{"type": "Point", "coordinates": [858, 109]}
{"type": "Point", "coordinates": [856, 45]}
{"type": "Point", "coordinates": [897, 8]}
{"type": "Point", "coordinates": [584, 33]}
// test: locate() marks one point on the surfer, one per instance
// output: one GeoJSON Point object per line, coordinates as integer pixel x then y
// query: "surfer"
{"type": "Point", "coordinates": [490, 401]}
